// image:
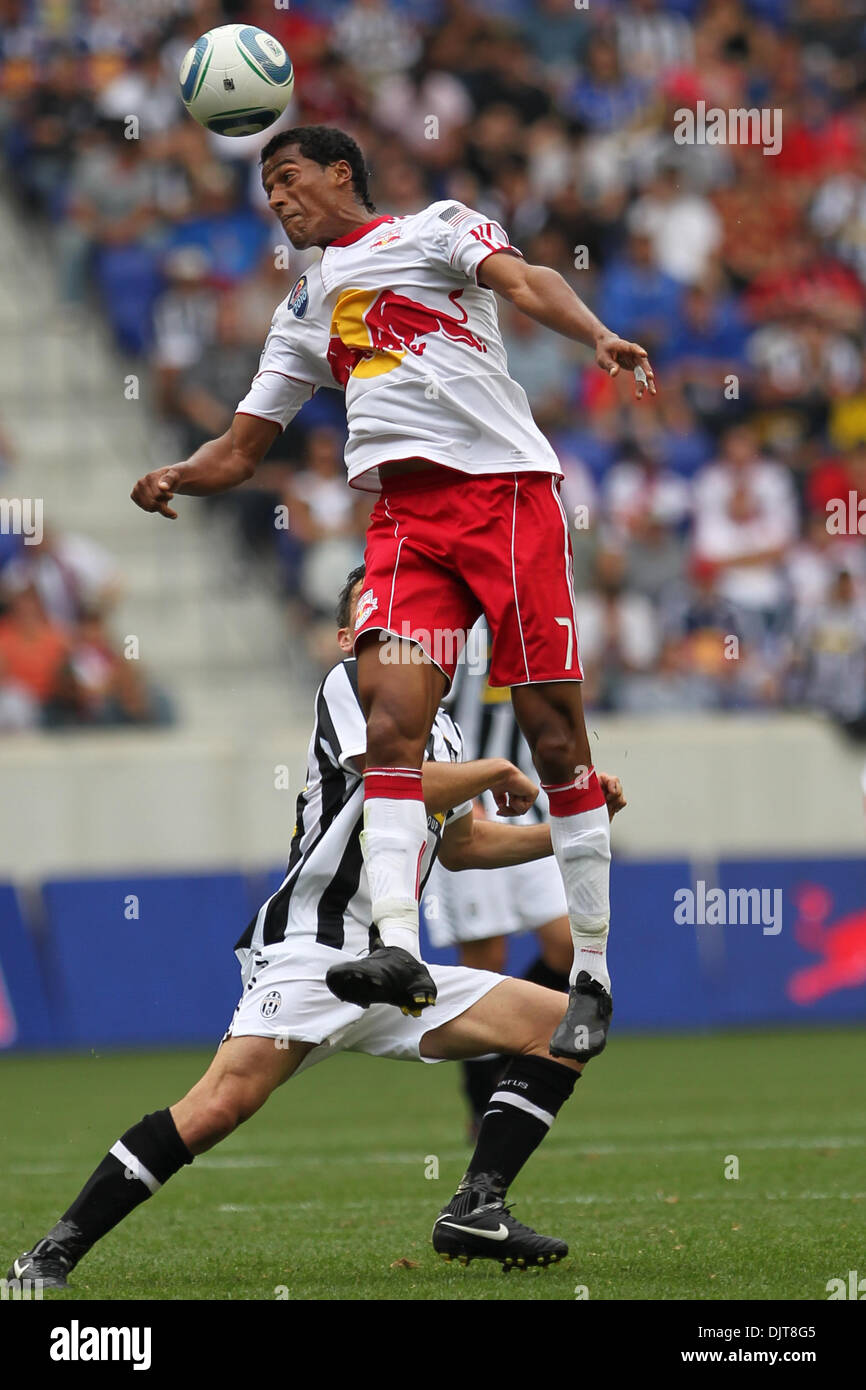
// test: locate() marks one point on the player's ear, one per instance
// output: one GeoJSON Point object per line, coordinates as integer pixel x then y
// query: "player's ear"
{"type": "Point", "coordinates": [342, 172]}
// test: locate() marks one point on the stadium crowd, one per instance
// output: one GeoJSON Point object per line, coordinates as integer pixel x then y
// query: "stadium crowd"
{"type": "Point", "coordinates": [60, 666]}
{"type": "Point", "coordinates": [709, 570]}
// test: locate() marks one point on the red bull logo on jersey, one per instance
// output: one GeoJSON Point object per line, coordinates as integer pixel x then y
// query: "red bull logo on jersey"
{"type": "Point", "coordinates": [367, 605]}
{"type": "Point", "coordinates": [372, 332]}
{"type": "Point", "coordinates": [840, 946]}
{"type": "Point", "coordinates": [387, 240]}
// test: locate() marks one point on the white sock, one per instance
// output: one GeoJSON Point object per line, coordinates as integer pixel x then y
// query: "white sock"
{"type": "Point", "coordinates": [392, 841]}
{"type": "Point", "coordinates": [581, 844]}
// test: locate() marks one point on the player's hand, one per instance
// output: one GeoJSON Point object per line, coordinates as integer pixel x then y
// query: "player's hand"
{"type": "Point", "coordinates": [615, 354]}
{"type": "Point", "coordinates": [515, 793]}
{"type": "Point", "coordinates": [155, 490]}
{"type": "Point", "coordinates": [613, 793]}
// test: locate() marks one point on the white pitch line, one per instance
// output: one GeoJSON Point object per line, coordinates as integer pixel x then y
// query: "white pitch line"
{"type": "Point", "coordinates": [584, 1200]}
{"type": "Point", "coordinates": [398, 1158]}
{"type": "Point", "coordinates": [562, 1151]}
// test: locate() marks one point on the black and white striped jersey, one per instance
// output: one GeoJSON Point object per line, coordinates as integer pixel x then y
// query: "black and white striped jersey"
{"type": "Point", "coordinates": [325, 895]}
{"type": "Point", "coordinates": [485, 716]}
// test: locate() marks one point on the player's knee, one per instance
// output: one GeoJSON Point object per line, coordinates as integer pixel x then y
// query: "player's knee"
{"type": "Point", "coordinates": [227, 1107]}
{"type": "Point", "coordinates": [547, 1014]}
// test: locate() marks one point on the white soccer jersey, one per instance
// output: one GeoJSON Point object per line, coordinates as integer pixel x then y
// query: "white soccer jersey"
{"type": "Point", "coordinates": [325, 895]}
{"type": "Point", "coordinates": [394, 314]}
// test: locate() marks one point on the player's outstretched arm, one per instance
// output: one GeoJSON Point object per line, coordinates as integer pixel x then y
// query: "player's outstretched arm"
{"type": "Point", "coordinates": [216, 466]}
{"type": "Point", "coordinates": [473, 842]}
{"type": "Point", "coordinates": [544, 295]}
{"type": "Point", "coordinates": [446, 785]}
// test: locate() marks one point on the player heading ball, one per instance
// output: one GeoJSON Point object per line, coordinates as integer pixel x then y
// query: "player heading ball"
{"type": "Point", "coordinates": [468, 520]}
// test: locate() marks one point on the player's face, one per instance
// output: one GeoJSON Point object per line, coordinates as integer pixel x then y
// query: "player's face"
{"type": "Point", "coordinates": [305, 197]}
{"type": "Point", "coordinates": [345, 634]}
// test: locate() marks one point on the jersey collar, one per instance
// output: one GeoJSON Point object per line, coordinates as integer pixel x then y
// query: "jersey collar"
{"type": "Point", "coordinates": [357, 232]}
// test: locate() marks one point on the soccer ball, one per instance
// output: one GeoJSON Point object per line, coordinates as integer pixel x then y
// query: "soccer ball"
{"type": "Point", "coordinates": [236, 80]}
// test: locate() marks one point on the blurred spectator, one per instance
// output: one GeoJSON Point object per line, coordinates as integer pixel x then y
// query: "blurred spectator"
{"type": "Point", "coordinates": [606, 97]}
{"type": "Point", "coordinates": [111, 225]}
{"type": "Point", "coordinates": [107, 688]}
{"type": "Point", "coordinates": [554, 31]}
{"type": "Point", "coordinates": [746, 521]}
{"type": "Point", "coordinates": [34, 650]}
{"type": "Point", "coordinates": [207, 392]}
{"type": "Point", "coordinates": [706, 351]}
{"type": "Point", "coordinates": [635, 290]}
{"type": "Point", "coordinates": [69, 574]}
{"type": "Point", "coordinates": [230, 236]}
{"type": "Point", "coordinates": [327, 517]}
{"type": "Point", "coordinates": [684, 228]}
{"type": "Point", "coordinates": [329, 522]}
{"type": "Point", "coordinates": [143, 89]}
{"type": "Point", "coordinates": [618, 631]}
{"type": "Point", "coordinates": [647, 507]}
{"type": "Point", "coordinates": [19, 709]}
{"type": "Point", "coordinates": [376, 40]}
{"type": "Point", "coordinates": [652, 41]}
{"type": "Point", "coordinates": [829, 665]}
{"type": "Point", "coordinates": [184, 320]}
{"type": "Point", "coordinates": [427, 109]}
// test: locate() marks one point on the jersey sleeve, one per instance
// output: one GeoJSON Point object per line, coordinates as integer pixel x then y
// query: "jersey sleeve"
{"type": "Point", "coordinates": [281, 385]}
{"type": "Point", "coordinates": [341, 723]}
{"type": "Point", "coordinates": [461, 240]}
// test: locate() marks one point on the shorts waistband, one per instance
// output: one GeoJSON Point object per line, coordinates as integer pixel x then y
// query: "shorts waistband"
{"type": "Point", "coordinates": [442, 476]}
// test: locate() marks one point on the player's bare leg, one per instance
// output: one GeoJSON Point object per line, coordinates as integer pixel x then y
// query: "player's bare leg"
{"type": "Point", "coordinates": [552, 721]}
{"type": "Point", "coordinates": [400, 690]}
{"type": "Point", "coordinates": [237, 1083]}
{"type": "Point", "coordinates": [550, 969]}
{"type": "Point", "coordinates": [517, 1018]}
{"type": "Point", "coordinates": [480, 1074]}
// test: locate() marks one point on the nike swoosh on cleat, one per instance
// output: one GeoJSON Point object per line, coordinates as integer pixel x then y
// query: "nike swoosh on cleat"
{"type": "Point", "coordinates": [500, 1234]}
{"type": "Point", "coordinates": [18, 1269]}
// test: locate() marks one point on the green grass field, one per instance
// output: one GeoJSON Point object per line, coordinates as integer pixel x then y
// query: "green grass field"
{"type": "Point", "coordinates": [324, 1191]}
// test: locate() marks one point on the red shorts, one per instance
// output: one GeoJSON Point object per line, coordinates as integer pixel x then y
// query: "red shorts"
{"type": "Point", "coordinates": [444, 547]}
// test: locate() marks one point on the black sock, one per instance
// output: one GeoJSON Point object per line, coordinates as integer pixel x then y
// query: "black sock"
{"type": "Point", "coordinates": [521, 1110]}
{"type": "Point", "coordinates": [540, 973]}
{"type": "Point", "coordinates": [480, 1075]}
{"type": "Point", "coordinates": [145, 1157]}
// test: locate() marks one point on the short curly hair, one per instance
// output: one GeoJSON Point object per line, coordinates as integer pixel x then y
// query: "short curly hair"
{"type": "Point", "coordinates": [325, 144]}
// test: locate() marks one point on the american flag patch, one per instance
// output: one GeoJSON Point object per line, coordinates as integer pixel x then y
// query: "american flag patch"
{"type": "Point", "coordinates": [454, 214]}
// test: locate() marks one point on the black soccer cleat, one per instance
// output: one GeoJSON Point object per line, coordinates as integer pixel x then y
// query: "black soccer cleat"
{"type": "Point", "coordinates": [45, 1267]}
{"type": "Point", "coordinates": [583, 1031]}
{"type": "Point", "coordinates": [488, 1231]}
{"type": "Point", "coordinates": [388, 975]}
